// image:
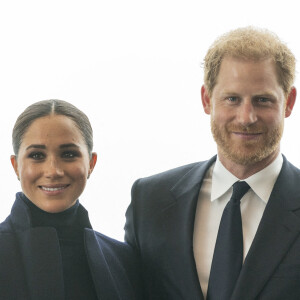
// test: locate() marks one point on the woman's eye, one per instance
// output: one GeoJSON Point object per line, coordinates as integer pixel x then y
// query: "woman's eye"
{"type": "Point", "coordinates": [69, 154]}
{"type": "Point", "coordinates": [37, 155]}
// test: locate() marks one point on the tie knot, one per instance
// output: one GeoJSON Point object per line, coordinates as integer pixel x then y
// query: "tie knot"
{"type": "Point", "coordinates": [240, 188]}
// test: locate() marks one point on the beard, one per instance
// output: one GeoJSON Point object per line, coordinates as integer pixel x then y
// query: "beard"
{"type": "Point", "coordinates": [247, 152]}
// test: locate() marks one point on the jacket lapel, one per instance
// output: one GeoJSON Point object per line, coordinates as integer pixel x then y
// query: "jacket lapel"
{"type": "Point", "coordinates": [40, 255]}
{"type": "Point", "coordinates": [42, 263]}
{"type": "Point", "coordinates": [178, 230]}
{"type": "Point", "coordinates": [104, 282]}
{"type": "Point", "coordinates": [277, 231]}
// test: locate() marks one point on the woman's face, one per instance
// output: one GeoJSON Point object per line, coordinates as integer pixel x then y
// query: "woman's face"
{"type": "Point", "coordinates": [53, 163]}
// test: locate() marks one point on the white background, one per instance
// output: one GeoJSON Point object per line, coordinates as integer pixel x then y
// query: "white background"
{"type": "Point", "coordinates": [134, 67]}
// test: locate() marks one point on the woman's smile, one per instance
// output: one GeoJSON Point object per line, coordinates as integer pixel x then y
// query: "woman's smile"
{"type": "Point", "coordinates": [54, 190]}
{"type": "Point", "coordinates": [53, 163]}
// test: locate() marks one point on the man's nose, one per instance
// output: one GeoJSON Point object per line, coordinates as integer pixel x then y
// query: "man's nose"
{"type": "Point", "coordinates": [246, 114]}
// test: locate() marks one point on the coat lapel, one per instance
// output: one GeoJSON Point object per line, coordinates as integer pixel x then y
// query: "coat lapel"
{"type": "Point", "coordinates": [276, 233]}
{"type": "Point", "coordinates": [40, 255]}
{"type": "Point", "coordinates": [105, 284]}
{"type": "Point", "coordinates": [178, 226]}
{"type": "Point", "coordinates": [42, 263]}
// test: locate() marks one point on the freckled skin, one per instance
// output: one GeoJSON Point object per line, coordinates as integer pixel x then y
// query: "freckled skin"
{"type": "Point", "coordinates": [247, 109]}
{"type": "Point", "coordinates": [46, 163]}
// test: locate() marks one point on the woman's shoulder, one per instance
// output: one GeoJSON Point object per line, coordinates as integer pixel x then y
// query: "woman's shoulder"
{"type": "Point", "coordinates": [107, 242]}
{"type": "Point", "coordinates": [5, 226]}
{"type": "Point", "coordinates": [119, 258]}
{"type": "Point", "coordinates": [113, 250]}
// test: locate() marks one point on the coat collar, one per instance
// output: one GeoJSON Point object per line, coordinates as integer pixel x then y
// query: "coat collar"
{"type": "Point", "coordinates": [106, 268]}
{"type": "Point", "coordinates": [178, 231]}
{"type": "Point", "coordinates": [99, 268]}
{"type": "Point", "coordinates": [41, 258]}
{"type": "Point", "coordinates": [40, 253]}
{"type": "Point", "coordinates": [192, 180]}
{"type": "Point", "coordinates": [21, 216]}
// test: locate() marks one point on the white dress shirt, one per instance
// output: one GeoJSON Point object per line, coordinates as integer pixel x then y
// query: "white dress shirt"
{"type": "Point", "coordinates": [214, 194]}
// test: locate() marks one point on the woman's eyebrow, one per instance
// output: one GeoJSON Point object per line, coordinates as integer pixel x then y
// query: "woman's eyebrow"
{"type": "Point", "coordinates": [63, 146]}
{"type": "Point", "coordinates": [68, 146]}
{"type": "Point", "coordinates": [36, 146]}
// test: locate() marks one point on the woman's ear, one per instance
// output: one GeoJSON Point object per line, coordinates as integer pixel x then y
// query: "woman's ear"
{"type": "Point", "coordinates": [14, 162]}
{"type": "Point", "coordinates": [93, 161]}
{"type": "Point", "coordinates": [206, 103]}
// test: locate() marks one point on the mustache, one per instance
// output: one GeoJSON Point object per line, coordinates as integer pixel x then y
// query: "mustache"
{"type": "Point", "coordinates": [253, 128]}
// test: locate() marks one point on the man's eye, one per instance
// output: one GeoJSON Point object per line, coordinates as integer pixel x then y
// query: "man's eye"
{"type": "Point", "coordinates": [262, 99]}
{"type": "Point", "coordinates": [232, 99]}
{"type": "Point", "coordinates": [37, 155]}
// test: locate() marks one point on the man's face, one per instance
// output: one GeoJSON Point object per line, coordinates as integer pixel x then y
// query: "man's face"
{"type": "Point", "coordinates": [247, 108]}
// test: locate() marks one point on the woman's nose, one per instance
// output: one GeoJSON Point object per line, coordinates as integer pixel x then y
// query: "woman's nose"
{"type": "Point", "coordinates": [53, 168]}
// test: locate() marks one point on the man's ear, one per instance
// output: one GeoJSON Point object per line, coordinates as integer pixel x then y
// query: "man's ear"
{"type": "Point", "coordinates": [205, 100]}
{"type": "Point", "coordinates": [93, 161]}
{"type": "Point", "coordinates": [14, 162]}
{"type": "Point", "coordinates": [291, 99]}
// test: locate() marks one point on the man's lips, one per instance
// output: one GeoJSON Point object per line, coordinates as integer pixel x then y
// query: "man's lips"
{"type": "Point", "coordinates": [248, 135]}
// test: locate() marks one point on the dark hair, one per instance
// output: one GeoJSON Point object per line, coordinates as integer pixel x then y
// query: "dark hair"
{"type": "Point", "coordinates": [51, 107]}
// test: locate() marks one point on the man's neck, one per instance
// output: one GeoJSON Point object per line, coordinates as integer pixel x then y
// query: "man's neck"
{"type": "Point", "coordinates": [245, 171]}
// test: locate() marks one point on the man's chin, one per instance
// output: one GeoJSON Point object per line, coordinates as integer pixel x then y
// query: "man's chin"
{"type": "Point", "coordinates": [245, 157]}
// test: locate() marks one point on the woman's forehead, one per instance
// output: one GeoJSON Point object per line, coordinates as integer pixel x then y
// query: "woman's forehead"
{"type": "Point", "coordinates": [55, 128]}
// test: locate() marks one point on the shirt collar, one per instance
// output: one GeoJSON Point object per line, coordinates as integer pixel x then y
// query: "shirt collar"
{"type": "Point", "coordinates": [261, 182]}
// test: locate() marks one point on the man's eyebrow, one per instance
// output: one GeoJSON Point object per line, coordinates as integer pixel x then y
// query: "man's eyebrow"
{"type": "Point", "coordinates": [36, 146]}
{"type": "Point", "coordinates": [265, 94]}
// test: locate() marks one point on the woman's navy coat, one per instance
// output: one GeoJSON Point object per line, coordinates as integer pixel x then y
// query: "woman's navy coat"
{"type": "Point", "coordinates": [31, 267]}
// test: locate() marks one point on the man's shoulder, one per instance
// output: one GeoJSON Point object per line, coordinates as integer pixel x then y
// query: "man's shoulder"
{"type": "Point", "coordinates": [168, 178]}
{"type": "Point", "coordinates": [171, 173]}
{"type": "Point", "coordinates": [287, 165]}
{"type": "Point", "coordinates": [289, 173]}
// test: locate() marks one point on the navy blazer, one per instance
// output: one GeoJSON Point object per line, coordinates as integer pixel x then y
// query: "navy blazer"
{"type": "Point", "coordinates": [160, 225]}
{"type": "Point", "coordinates": [31, 267]}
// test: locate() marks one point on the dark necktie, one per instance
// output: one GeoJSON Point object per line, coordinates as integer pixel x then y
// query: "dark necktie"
{"type": "Point", "coordinates": [228, 255]}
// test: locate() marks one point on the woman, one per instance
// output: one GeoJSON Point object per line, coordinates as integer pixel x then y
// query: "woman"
{"type": "Point", "coordinates": [48, 249]}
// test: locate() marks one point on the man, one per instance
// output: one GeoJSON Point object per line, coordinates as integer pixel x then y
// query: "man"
{"type": "Point", "coordinates": [174, 219]}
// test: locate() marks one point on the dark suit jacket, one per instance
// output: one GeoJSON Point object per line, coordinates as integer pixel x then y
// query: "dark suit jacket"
{"type": "Point", "coordinates": [31, 267]}
{"type": "Point", "coordinates": [160, 223]}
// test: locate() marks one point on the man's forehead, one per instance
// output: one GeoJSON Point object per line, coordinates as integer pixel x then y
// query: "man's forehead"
{"type": "Point", "coordinates": [237, 68]}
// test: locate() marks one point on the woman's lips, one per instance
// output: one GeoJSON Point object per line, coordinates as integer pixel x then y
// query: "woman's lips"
{"type": "Point", "coordinates": [53, 189]}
